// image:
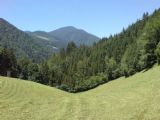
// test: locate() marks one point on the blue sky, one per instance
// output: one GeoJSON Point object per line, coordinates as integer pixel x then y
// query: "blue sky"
{"type": "Point", "coordinates": [99, 17]}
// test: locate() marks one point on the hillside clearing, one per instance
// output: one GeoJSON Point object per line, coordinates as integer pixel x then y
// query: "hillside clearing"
{"type": "Point", "coordinates": [133, 98]}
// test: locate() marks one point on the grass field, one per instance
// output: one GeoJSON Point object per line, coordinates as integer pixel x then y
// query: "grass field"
{"type": "Point", "coordinates": [134, 98]}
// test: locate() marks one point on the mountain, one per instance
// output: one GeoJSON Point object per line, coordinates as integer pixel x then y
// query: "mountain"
{"type": "Point", "coordinates": [47, 37]}
{"type": "Point", "coordinates": [40, 45]}
{"type": "Point", "coordinates": [62, 36]}
{"type": "Point", "coordinates": [79, 36]}
{"type": "Point", "coordinates": [24, 44]}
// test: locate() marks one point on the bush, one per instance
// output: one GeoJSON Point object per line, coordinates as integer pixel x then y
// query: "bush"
{"type": "Point", "coordinates": [158, 53]}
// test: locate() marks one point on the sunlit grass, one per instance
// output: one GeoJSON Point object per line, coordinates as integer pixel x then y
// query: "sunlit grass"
{"type": "Point", "coordinates": [134, 98]}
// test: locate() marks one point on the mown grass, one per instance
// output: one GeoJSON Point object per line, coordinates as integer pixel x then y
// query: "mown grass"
{"type": "Point", "coordinates": [134, 98]}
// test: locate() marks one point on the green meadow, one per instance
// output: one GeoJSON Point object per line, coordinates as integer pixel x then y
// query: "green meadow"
{"type": "Point", "coordinates": [133, 98]}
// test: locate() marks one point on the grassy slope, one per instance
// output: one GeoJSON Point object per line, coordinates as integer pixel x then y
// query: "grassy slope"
{"type": "Point", "coordinates": [134, 98]}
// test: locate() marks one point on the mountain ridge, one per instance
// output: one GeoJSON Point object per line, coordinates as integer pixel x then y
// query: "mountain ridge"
{"type": "Point", "coordinates": [22, 43]}
{"type": "Point", "coordinates": [67, 34]}
{"type": "Point", "coordinates": [71, 33]}
{"type": "Point", "coordinates": [37, 45]}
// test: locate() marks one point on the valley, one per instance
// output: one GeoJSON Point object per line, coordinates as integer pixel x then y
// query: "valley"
{"type": "Point", "coordinates": [79, 60]}
{"type": "Point", "coordinates": [135, 98]}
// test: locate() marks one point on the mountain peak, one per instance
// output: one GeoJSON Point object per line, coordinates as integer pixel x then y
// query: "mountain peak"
{"type": "Point", "coordinates": [3, 21]}
{"type": "Point", "coordinates": [68, 28]}
{"type": "Point", "coordinates": [70, 33]}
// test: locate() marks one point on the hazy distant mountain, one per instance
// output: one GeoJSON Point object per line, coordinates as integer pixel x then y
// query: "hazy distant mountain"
{"type": "Point", "coordinates": [39, 45]}
{"type": "Point", "coordinates": [24, 44]}
{"type": "Point", "coordinates": [67, 34]}
{"type": "Point", "coordinates": [47, 37]}
{"type": "Point", "coordinates": [62, 36]}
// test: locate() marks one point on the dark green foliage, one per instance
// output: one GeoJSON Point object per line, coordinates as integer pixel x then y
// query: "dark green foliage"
{"type": "Point", "coordinates": [71, 47]}
{"type": "Point", "coordinates": [23, 64]}
{"type": "Point", "coordinates": [33, 72]}
{"type": "Point", "coordinates": [44, 73]}
{"type": "Point", "coordinates": [158, 53]}
{"type": "Point", "coordinates": [111, 68]}
{"type": "Point", "coordinates": [8, 62]}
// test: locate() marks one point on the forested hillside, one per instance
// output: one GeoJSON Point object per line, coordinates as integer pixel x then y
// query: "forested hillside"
{"type": "Point", "coordinates": [134, 49]}
{"type": "Point", "coordinates": [23, 44]}
{"type": "Point", "coordinates": [79, 68]}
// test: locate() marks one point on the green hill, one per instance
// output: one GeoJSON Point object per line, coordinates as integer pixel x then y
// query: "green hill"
{"type": "Point", "coordinates": [24, 44]}
{"type": "Point", "coordinates": [133, 98]}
